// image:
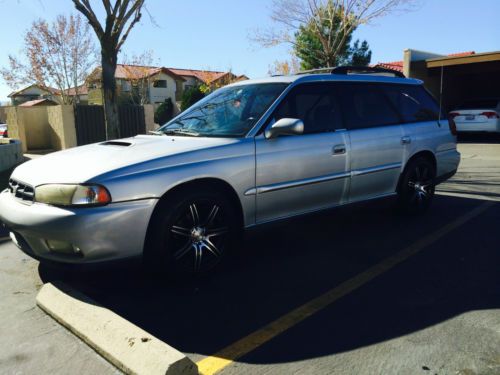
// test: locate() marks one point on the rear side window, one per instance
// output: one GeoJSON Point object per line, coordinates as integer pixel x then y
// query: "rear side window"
{"type": "Point", "coordinates": [413, 102]}
{"type": "Point", "coordinates": [364, 106]}
{"type": "Point", "coordinates": [313, 103]}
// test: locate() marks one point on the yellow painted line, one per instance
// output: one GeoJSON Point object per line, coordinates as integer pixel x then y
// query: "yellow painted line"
{"type": "Point", "coordinates": [220, 360]}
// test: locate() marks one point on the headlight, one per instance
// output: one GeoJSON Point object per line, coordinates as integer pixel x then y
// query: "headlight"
{"type": "Point", "coordinates": [72, 195]}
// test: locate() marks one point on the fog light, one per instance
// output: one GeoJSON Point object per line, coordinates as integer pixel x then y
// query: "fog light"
{"type": "Point", "coordinates": [62, 247]}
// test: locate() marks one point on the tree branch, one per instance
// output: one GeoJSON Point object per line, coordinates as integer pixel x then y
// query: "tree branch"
{"type": "Point", "coordinates": [88, 12]}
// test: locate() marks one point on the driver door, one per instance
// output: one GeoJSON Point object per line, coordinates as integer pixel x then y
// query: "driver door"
{"type": "Point", "coordinates": [296, 174]}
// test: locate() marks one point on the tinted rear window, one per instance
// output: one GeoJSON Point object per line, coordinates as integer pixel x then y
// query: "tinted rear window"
{"type": "Point", "coordinates": [479, 104]}
{"type": "Point", "coordinates": [413, 102]}
{"type": "Point", "coordinates": [364, 106]}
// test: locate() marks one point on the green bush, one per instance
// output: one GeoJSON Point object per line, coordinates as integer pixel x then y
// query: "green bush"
{"type": "Point", "coordinates": [164, 112]}
{"type": "Point", "coordinates": [191, 96]}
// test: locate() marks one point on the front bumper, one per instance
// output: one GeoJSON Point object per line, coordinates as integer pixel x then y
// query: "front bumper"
{"type": "Point", "coordinates": [111, 232]}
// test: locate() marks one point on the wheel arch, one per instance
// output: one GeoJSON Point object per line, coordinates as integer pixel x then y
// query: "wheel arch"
{"type": "Point", "coordinates": [197, 183]}
{"type": "Point", "coordinates": [427, 154]}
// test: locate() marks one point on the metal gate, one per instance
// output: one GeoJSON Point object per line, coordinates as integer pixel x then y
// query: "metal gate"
{"type": "Point", "coordinates": [91, 127]}
{"type": "Point", "coordinates": [132, 121]}
{"type": "Point", "coordinates": [89, 123]}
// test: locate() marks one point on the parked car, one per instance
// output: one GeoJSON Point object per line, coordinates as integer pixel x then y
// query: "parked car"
{"type": "Point", "coordinates": [479, 115]}
{"type": "Point", "coordinates": [250, 153]}
{"type": "Point", "coordinates": [3, 131]}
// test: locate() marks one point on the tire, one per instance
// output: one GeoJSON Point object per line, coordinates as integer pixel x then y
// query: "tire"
{"type": "Point", "coordinates": [416, 188]}
{"type": "Point", "coordinates": [192, 233]}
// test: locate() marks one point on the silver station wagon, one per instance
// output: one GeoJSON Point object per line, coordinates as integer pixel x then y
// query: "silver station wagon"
{"type": "Point", "coordinates": [250, 153]}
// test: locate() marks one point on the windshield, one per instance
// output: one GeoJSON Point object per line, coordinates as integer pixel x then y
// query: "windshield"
{"type": "Point", "coordinates": [228, 112]}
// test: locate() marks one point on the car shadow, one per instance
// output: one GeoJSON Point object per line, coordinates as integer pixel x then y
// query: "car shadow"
{"type": "Point", "coordinates": [281, 267]}
{"type": "Point", "coordinates": [483, 138]}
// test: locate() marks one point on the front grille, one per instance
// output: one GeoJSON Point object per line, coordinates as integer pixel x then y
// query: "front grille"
{"type": "Point", "coordinates": [22, 191]}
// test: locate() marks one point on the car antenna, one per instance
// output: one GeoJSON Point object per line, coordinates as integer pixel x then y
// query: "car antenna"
{"type": "Point", "coordinates": [441, 95]}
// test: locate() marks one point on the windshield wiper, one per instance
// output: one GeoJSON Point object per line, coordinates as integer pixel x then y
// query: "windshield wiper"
{"type": "Point", "coordinates": [187, 132]}
{"type": "Point", "coordinates": [154, 132]}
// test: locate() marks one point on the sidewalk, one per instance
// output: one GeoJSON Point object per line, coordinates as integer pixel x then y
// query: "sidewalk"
{"type": "Point", "coordinates": [32, 342]}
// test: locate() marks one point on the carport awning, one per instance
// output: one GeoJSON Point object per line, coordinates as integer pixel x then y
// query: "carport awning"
{"type": "Point", "coordinates": [463, 60]}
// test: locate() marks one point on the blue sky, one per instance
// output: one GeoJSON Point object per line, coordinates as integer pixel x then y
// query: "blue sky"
{"type": "Point", "coordinates": [213, 34]}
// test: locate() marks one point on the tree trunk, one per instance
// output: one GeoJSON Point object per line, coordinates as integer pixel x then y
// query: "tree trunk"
{"type": "Point", "coordinates": [108, 62]}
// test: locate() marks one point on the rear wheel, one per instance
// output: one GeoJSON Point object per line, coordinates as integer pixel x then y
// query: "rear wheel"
{"type": "Point", "coordinates": [194, 232]}
{"type": "Point", "coordinates": [416, 189]}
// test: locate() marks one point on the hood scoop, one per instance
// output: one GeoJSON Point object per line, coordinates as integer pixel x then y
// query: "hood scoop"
{"type": "Point", "coordinates": [116, 143]}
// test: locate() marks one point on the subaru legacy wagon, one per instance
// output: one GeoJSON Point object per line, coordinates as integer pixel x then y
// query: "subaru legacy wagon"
{"type": "Point", "coordinates": [250, 153]}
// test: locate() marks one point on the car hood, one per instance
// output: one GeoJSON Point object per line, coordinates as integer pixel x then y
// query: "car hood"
{"type": "Point", "coordinates": [81, 164]}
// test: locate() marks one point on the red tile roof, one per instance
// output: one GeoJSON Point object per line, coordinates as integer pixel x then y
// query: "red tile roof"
{"type": "Point", "coordinates": [82, 90]}
{"type": "Point", "coordinates": [33, 103]}
{"type": "Point", "coordinates": [462, 54]}
{"type": "Point", "coordinates": [124, 71]}
{"type": "Point", "coordinates": [205, 76]}
{"type": "Point", "coordinates": [394, 65]}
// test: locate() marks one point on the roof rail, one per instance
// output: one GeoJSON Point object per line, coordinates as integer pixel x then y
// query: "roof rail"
{"type": "Point", "coordinates": [365, 70]}
{"type": "Point", "coordinates": [315, 70]}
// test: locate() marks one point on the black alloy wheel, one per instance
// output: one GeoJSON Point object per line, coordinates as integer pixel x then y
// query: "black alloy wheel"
{"type": "Point", "coordinates": [199, 235]}
{"type": "Point", "coordinates": [193, 231]}
{"type": "Point", "coordinates": [417, 186]}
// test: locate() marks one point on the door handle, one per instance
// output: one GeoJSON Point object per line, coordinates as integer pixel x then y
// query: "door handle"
{"type": "Point", "coordinates": [405, 140]}
{"type": "Point", "coordinates": [339, 149]}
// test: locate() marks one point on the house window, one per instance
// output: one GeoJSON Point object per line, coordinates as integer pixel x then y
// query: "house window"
{"type": "Point", "coordinates": [161, 83]}
{"type": "Point", "coordinates": [125, 85]}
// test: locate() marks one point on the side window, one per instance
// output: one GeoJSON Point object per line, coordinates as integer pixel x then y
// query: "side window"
{"type": "Point", "coordinates": [413, 102]}
{"type": "Point", "coordinates": [313, 103]}
{"type": "Point", "coordinates": [365, 106]}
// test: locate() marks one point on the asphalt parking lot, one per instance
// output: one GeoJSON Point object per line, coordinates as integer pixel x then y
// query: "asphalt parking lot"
{"type": "Point", "coordinates": [381, 293]}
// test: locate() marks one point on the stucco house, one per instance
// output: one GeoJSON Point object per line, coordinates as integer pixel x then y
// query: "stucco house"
{"type": "Point", "coordinates": [153, 85]}
{"type": "Point", "coordinates": [32, 92]}
{"type": "Point", "coordinates": [38, 92]}
{"type": "Point", "coordinates": [142, 84]}
{"type": "Point", "coordinates": [211, 78]}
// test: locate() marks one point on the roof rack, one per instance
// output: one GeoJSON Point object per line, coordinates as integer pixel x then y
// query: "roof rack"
{"type": "Point", "coordinates": [319, 70]}
{"type": "Point", "coordinates": [365, 70]}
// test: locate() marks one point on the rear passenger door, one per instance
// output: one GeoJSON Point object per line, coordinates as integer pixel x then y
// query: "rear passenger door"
{"type": "Point", "coordinates": [420, 114]}
{"type": "Point", "coordinates": [376, 137]}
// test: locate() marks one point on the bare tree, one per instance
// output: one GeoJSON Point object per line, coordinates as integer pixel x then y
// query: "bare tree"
{"type": "Point", "coordinates": [57, 55]}
{"type": "Point", "coordinates": [139, 73]}
{"type": "Point", "coordinates": [330, 21]}
{"type": "Point", "coordinates": [121, 17]}
{"type": "Point", "coordinates": [285, 67]}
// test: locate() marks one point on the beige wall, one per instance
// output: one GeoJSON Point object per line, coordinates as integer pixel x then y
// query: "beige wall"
{"type": "Point", "coordinates": [3, 115]}
{"type": "Point", "coordinates": [42, 128]}
{"type": "Point", "coordinates": [61, 120]}
{"type": "Point", "coordinates": [149, 114]}
{"type": "Point", "coordinates": [51, 127]}
{"type": "Point", "coordinates": [15, 128]}
{"type": "Point", "coordinates": [36, 127]}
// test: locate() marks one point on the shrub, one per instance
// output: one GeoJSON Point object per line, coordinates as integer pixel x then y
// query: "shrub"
{"type": "Point", "coordinates": [191, 96]}
{"type": "Point", "coordinates": [164, 112]}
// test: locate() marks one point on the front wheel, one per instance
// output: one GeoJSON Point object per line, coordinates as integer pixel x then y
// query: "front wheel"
{"type": "Point", "coordinates": [416, 188]}
{"type": "Point", "coordinates": [195, 232]}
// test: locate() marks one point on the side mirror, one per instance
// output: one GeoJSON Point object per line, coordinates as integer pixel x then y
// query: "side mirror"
{"type": "Point", "coordinates": [284, 126]}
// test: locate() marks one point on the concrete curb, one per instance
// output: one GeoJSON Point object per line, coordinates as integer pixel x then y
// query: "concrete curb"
{"type": "Point", "coordinates": [128, 347]}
